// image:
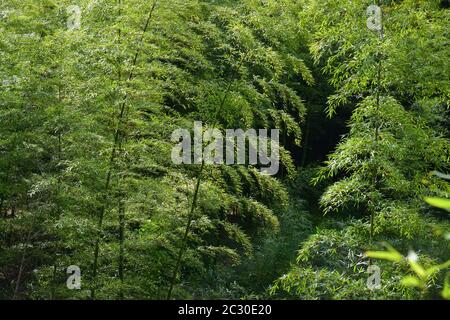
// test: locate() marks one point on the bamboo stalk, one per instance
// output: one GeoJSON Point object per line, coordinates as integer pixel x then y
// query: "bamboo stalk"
{"type": "Point", "coordinates": [57, 199]}
{"type": "Point", "coordinates": [121, 245]}
{"type": "Point", "coordinates": [377, 127]}
{"type": "Point", "coordinates": [197, 187]}
{"type": "Point", "coordinates": [117, 138]}
{"type": "Point", "coordinates": [22, 263]}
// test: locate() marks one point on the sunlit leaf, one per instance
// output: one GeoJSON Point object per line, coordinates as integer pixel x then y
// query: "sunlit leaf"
{"type": "Point", "coordinates": [410, 281]}
{"type": "Point", "coordinates": [439, 203]}
{"type": "Point", "coordinates": [393, 256]}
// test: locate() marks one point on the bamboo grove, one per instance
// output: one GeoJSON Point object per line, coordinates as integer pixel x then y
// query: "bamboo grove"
{"type": "Point", "coordinates": [86, 175]}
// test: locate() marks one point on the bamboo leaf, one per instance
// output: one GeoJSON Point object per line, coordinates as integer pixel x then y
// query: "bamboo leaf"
{"type": "Point", "coordinates": [439, 203]}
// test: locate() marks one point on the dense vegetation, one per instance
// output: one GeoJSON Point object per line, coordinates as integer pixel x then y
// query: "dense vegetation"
{"type": "Point", "coordinates": [87, 113]}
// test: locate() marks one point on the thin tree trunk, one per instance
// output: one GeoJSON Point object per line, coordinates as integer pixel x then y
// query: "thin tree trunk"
{"type": "Point", "coordinates": [58, 201]}
{"type": "Point", "coordinates": [2, 200]}
{"type": "Point", "coordinates": [197, 187]}
{"type": "Point", "coordinates": [186, 231]}
{"type": "Point", "coordinates": [377, 132]}
{"type": "Point", "coordinates": [53, 287]}
{"type": "Point", "coordinates": [22, 263]}
{"type": "Point", "coordinates": [121, 245]}
{"type": "Point", "coordinates": [306, 140]}
{"type": "Point", "coordinates": [19, 276]}
{"type": "Point", "coordinates": [121, 209]}
{"type": "Point", "coordinates": [117, 138]}
{"type": "Point", "coordinates": [5, 197]}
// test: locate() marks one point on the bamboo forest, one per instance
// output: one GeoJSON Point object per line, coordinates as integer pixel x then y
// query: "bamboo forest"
{"type": "Point", "coordinates": [224, 150]}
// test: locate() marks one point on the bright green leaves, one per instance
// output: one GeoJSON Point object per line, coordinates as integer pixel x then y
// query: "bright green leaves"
{"type": "Point", "coordinates": [388, 140]}
{"type": "Point", "coordinates": [413, 52]}
{"type": "Point", "coordinates": [391, 255]}
{"type": "Point", "coordinates": [438, 203]}
{"type": "Point", "coordinates": [422, 276]}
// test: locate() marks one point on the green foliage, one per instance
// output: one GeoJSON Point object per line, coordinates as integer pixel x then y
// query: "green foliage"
{"type": "Point", "coordinates": [392, 143]}
{"type": "Point", "coordinates": [86, 177]}
{"type": "Point", "coordinates": [380, 166]}
{"type": "Point", "coordinates": [86, 127]}
{"type": "Point", "coordinates": [332, 264]}
{"type": "Point", "coordinates": [423, 276]}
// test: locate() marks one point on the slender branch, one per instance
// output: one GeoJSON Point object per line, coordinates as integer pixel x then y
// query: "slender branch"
{"type": "Point", "coordinates": [377, 128]}
{"type": "Point", "coordinates": [58, 195]}
{"type": "Point", "coordinates": [22, 263]}
{"type": "Point", "coordinates": [186, 231]}
{"type": "Point", "coordinates": [121, 245]}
